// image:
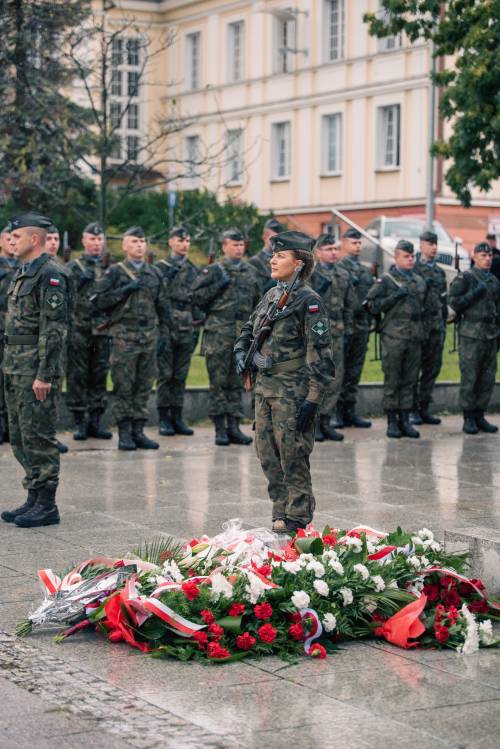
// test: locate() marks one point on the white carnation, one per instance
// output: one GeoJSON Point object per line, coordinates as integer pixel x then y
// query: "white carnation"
{"type": "Point", "coordinates": [425, 533]}
{"type": "Point", "coordinates": [329, 622]}
{"type": "Point", "coordinates": [471, 642]}
{"type": "Point", "coordinates": [316, 567]}
{"type": "Point", "coordinates": [362, 570]}
{"type": "Point", "coordinates": [356, 543]}
{"type": "Point", "coordinates": [486, 633]}
{"type": "Point", "coordinates": [379, 583]}
{"type": "Point", "coordinates": [255, 588]}
{"type": "Point", "coordinates": [393, 585]}
{"type": "Point", "coordinates": [370, 605]}
{"type": "Point", "coordinates": [171, 570]}
{"type": "Point", "coordinates": [415, 562]}
{"type": "Point", "coordinates": [329, 554]}
{"type": "Point", "coordinates": [221, 586]}
{"type": "Point", "coordinates": [417, 540]}
{"type": "Point", "coordinates": [424, 561]}
{"type": "Point", "coordinates": [292, 567]}
{"type": "Point", "coordinates": [300, 599]}
{"type": "Point", "coordinates": [336, 566]}
{"type": "Point", "coordinates": [347, 596]}
{"type": "Point", "coordinates": [321, 587]}
{"type": "Point", "coordinates": [432, 545]}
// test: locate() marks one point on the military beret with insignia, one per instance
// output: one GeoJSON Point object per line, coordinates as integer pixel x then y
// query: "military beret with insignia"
{"type": "Point", "coordinates": [94, 229]}
{"type": "Point", "coordinates": [292, 240]}
{"type": "Point", "coordinates": [273, 225]}
{"type": "Point", "coordinates": [405, 246]}
{"type": "Point", "coordinates": [135, 231]}
{"type": "Point", "coordinates": [179, 231]}
{"type": "Point", "coordinates": [233, 234]}
{"type": "Point", "coordinates": [325, 239]}
{"type": "Point", "coordinates": [429, 236]}
{"type": "Point", "coordinates": [52, 229]}
{"type": "Point", "coordinates": [351, 234]}
{"type": "Point", "coordinates": [30, 219]}
{"type": "Point", "coordinates": [482, 247]}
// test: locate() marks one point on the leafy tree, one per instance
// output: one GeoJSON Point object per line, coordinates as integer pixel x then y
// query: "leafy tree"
{"type": "Point", "coordinates": [469, 32]}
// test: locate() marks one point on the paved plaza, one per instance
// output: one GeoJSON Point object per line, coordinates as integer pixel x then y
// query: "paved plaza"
{"type": "Point", "coordinates": [85, 692]}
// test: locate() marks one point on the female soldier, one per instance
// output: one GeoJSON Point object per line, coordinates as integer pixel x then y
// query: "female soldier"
{"type": "Point", "coordinates": [294, 368]}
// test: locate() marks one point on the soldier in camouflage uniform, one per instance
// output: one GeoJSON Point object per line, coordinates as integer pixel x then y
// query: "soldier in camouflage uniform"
{"type": "Point", "coordinates": [261, 263]}
{"type": "Point", "coordinates": [134, 294]}
{"type": "Point", "coordinates": [88, 346]}
{"type": "Point", "coordinates": [435, 316]}
{"type": "Point", "coordinates": [227, 292]}
{"type": "Point", "coordinates": [356, 344]}
{"type": "Point", "coordinates": [475, 298]}
{"type": "Point", "coordinates": [8, 264]}
{"type": "Point", "coordinates": [333, 285]}
{"type": "Point", "coordinates": [289, 390]}
{"type": "Point", "coordinates": [398, 299]}
{"type": "Point", "coordinates": [179, 274]}
{"type": "Point", "coordinates": [35, 331]}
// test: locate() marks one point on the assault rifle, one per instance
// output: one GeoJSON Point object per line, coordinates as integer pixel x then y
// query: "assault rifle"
{"type": "Point", "coordinates": [254, 357]}
{"type": "Point", "coordinates": [66, 252]}
{"type": "Point", "coordinates": [456, 265]}
{"type": "Point", "coordinates": [376, 329]}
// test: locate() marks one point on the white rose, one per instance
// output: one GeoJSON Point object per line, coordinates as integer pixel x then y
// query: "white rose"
{"type": "Point", "coordinates": [329, 622]}
{"type": "Point", "coordinates": [321, 587]}
{"type": "Point", "coordinates": [362, 570]}
{"type": "Point", "coordinates": [300, 599]}
{"type": "Point", "coordinates": [378, 582]}
{"type": "Point", "coordinates": [347, 596]}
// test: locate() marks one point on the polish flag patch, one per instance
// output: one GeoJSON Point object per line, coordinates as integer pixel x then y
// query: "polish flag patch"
{"type": "Point", "coordinates": [313, 308]}
{"type": "Point", "coordinates": [54, 282]}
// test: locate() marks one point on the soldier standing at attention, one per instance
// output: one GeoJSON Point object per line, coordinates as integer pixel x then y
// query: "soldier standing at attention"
{"type": "Point", "coordinates": [399, 298]}
{"type": "Point", "coordinates": [227, 292]}
{"type": "Point", "coordinates": [435, 316]}
{"type": "Point", "coordinates": [356, 343]}
{"type": "Point", "coordinates": [288, 393]}
{"type": "Point", "coordinates": [261, 262]}
{"type": "Point", "coordinates": [475, 298]}
{"type": "Point", "coordinates": [333, 285]}
{"type": "Point", "coordinates": [35, 331]}
{"type": "Point", "coordinates": [178, 274]}
{"type": "Point", "coordinates": [134, 294]}
{"type": "Point", "coordinates": [8, 265]}
{"type": "Point", "coordinates": [88, 346]}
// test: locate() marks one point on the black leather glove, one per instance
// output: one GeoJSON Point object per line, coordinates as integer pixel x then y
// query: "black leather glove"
{"type": "Point", "coordinates": [239, 361]}
{"type": "Point", "coordinates": [225, 279]}
{"type": "Point", "coordinates": [480, 290]}
{"type": "Point", "coordinates": [306, 415]}
{"type": "Point", "coordinates": [130, 287]}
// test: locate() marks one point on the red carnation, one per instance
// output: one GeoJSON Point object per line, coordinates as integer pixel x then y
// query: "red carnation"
{"type": "Point", "coordinates": [263, 611]}
{"type": "Point", "coordinates": [236, 609]}
{"type": "Point", "coordinates": [201, 638]}
{"type": "Point", "coordinates": [478, 583]}
{"type": "Point", "coordinates": [478, 607]}
{"type": "Point", "coordinates": [448, 582]}
{"type": "Point", "coordinates": [267, 633]}
{"type": "Point", "coordinates": [317, 651]}
{"type": "Point", "coordinates": [215, 650]}
{"type": "Point", "coordinates": [190, 590]}
{"type": "Point", "coordinates": [452, 614]}
{"type": "Point", "coordinates": [264, 569]}
{"type": "Point", "coordinates": [207, 616]}
{"type": "Point", "coordinates": [451, 598]}
{"type": "Point", "coordinates": [329, 539]}
{"type": "Point", "coordinates": [295, 617]}
{"type": "Point", "coordinates": [465, 589]}
{"type": "Point", "coordinates": [296, 632]}
{"type": "Point", "coordinates": [215, 630]}
{"type": "Point", "coordinates": [431, 591]}
{"type": "Point", "coordinates": [441, 634]}
{"type": "Point", "coordinates": [245, 641]}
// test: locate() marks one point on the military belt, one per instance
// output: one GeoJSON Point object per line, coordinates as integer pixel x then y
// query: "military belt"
{"type": "Point", "coordinates": [22, 339]}
{"type": "Point", "coordinates": [289, 365]}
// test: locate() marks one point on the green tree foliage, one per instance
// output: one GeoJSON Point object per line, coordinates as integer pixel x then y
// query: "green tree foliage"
{"type": "Point", "coordinates": [468, 31]}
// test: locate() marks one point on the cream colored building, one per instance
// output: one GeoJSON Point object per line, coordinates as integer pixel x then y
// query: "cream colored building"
{"type": "Point", "coordinates": [299, 109]}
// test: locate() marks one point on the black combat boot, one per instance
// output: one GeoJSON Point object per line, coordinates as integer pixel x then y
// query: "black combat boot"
{"type": "Point", "coordinates": [80, 433]}
{"type": "Point", "coordinates": [293, 525]}
{"type": "Point", "coordinates": [318, 432]}
{"type": "Point", "coordinates": [125, 441]}
{"type": "Point", "coordinates": [236, 436]}
{"type": "Point", "coordinates": [142, 440]}
{"type": "Point", "coordinates": [165, 426]}
{"type": "Point", "coordinates": [328, 432]}
{"type": "Point", "coordinates": [427, 417]}
{"type": "Point", "coordinates": [351, 418]}
{"type": "Point", "coordinates": [483, 425]}
{"type": "Point", "coordinates": [10, 515]}
{"type": "Point", "coordinates": [470, 426]}
{"type": "Point", "coordinates": [179, 426]}
{"type": "Point", "coordinates": [406, 428]}
{"type": "Point", "coordinates": [43, 512]}
{"type": "Point", "coordinates": [3, 429]}
{"type": "Point", "coordinates": [221, 437]}
{"type": "Point", "coordinates": [61, 447]}
{"type": "Point", "coordinates": [94, 427]}
{"type": "Point", "coordinates": [393, 429]}
{"type": "Point", "coordinates": [416, 417]}
{"type": "Point", "coordinates": [338, 419]}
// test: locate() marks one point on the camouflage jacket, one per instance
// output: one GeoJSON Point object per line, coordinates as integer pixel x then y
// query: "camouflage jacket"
{"type": "Point", "coordinates": [7, 270]}
{"type": "Point", "coordinates": [145, 311]}
{"type": "Point", "coordinates": [401, 317]}
{"type": "Point", "coordinates": [478, 316]}
{"type": "Point", "coordinates": [226, 307]}
{"type": "Point", "coordinates": [436, 304]}
{"type": "Point", "coordinates": [83, 313]}
{"type": "Point", "coordinates": [335, 289]}
{"type": "Point", "coordinates": [37, 320]}
{"type": "Point", "coordinates": [301, 332]}
{"type": "Point", "coordinates": [178, 279]}
{"type": "Point", "coordinates": [362, 281]}
{"type": "Point", "coordinates": [262, 267]}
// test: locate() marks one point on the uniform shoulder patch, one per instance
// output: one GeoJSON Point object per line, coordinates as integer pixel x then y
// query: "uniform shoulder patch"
{"type": "Point", "coordinates": [54, 300]}
{"type": "Point", "coordinates": [54, 282]}
{"type": "Point", "coordinates": [313, 308]}
{"type": "Point", "coordinates": [319, 328]}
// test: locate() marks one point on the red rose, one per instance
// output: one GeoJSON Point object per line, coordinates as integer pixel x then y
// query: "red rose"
{"type": "Point", "coordinates": [214, 650]}
{"type": "Point", "coordinates": [431, 591]}
{"type": "Point", "coordinates": [263, 611]}
{"type": "Point", "coordinates": [190, 590]}
{"type": "Point", "coordinates": [216, 631]}
{"type": "Point", "coordinates": [451, 598]}
{"type": "Point", "coordinates": [207, 616]}
{"type": "Point", "coordinates": [236, 609]}
{"type": "Point", "coordinates": [478, 607]}
{"type": "Point", "coordinates": [267, 633]}
{"type": "Point", "coordinates": [317, 651]}
{"type": "Point", "coordinates": [245, 641]}
{"type": "Point", "coordinates": [448, 582]}
{"type": "Point", "coordinates": [201, 638]}
{"type": "Point", "coordinates": [441, 634]}
{"type": "Point", "coordinates": [478, 583]}
{"type": "Point", "coordinates": [329, 539]}
{"type": "Point", "coordinates": [465, 589]}
{"type": "Point", "coordinates": [296, 632]}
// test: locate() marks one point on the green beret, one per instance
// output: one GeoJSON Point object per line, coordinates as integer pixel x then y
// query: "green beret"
{"type": "Point", "coordinates": [234, 234]}
{"type": "Point", "coordinates": [135, 231]}
{"type": "Point", "coordinates": [179, 231]}
{"type": "Point", "coordinates": [325, 239]}
{"type": "Point", "coordinates": [351, 234]}
{"type": "Point", "coordinates": [292, 240]}
{"type": "Point", "coordinates": [94, 229]}
{"type": "Point", "coordinates": [483, 247]}
{"type": "Point", "coordinates": [405, 246]}
{"type": "Point", "coordinates": [30, 219]}
{"type": "Point", "coordinates": [429, 236]}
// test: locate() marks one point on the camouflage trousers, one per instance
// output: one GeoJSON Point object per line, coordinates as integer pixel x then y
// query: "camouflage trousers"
{"type": "Point", "coordinates": [88, 365]}
{"type": "Point", "coordinates": [400, 364]}
{"type": "Point", "coordinates": [173, 369]}
{"type": "Point", "coordinates": [32, 427]}
{"type": "Point", "coordinates": [355, 347]}
{"type": "Point", "coordinates": [478, 368]}
{"type": "Point", "coordinates": [334, 388]}
{"type": "Point", "coordinates": [133, 370]}
{"type": "Point", "coordinates": [284, 456]}
{"type": "Point", "coordinates": [225, 385]}
{"type": "Point", "coordinates": [430, 367]}
{"type": "Point", "coordinates": [3, 407]}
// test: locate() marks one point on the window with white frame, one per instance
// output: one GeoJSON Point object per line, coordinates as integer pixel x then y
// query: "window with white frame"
{"type": "Point", "coordinates": [124, 100]}
{"type": "Point", "coordinates": [386, 43]}
{"type": "Point", "coordinates": [284, 42]}
{"type": "Point", "coordinates": [331, 138]}
{"type": "Point", "coordinates": [193, 60]}
{"type": "Point", "coordinates": [192, 155]}
{"type": "Point", "coordinates": [389, 136]}
{"type": "Point", "coordinates": [334, 29]}
{"type": "Point", "coordinates": [280, 150]}
{"type": "Point", "coordinates": [234, 155]}
{"type": "Point", "coordinates": [235, 51]}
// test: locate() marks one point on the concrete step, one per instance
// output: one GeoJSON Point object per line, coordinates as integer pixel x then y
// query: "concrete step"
{"type": "Point", "coordinates": [483, 545]}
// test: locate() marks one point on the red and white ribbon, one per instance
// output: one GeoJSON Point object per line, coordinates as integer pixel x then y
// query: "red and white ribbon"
{"type": "Point", "coordinates": [317, 628]}
{"type": "Point", "coordinates": [457, 576]}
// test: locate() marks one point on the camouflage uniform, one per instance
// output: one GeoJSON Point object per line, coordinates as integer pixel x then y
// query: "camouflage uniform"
{"type": "Point", "coordinates": [227, 306]}
{"type": "Point", "coordinates": [7, 271]}
{"type": "Point", "coordinates": [35, 332]}
{"type": "Point", "coordinates": [478, 312]}
{"type": "Point", "coordinates": [301, 334]}
{"type": "Point", "coordinates": [261, 263]}
{"type": "Point", "coordinates": [435, 315]}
